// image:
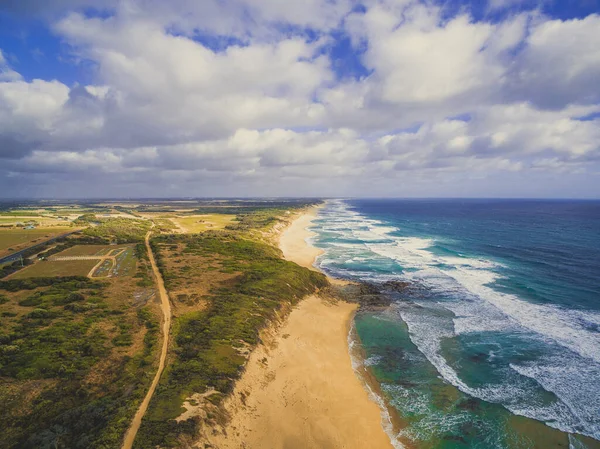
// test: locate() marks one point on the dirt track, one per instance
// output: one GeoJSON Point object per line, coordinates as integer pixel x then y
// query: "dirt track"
{"type": "Point", "coordinates": [166, 310]}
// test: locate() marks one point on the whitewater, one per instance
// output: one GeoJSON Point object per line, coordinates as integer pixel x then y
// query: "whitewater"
{"type": "Point", "coordinates": [461, 299]}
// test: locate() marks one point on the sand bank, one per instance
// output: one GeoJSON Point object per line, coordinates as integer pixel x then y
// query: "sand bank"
{"type": "Point", "coordinates": [299, 389]}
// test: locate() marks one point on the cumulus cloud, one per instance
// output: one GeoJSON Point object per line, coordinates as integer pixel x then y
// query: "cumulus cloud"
{"type": "Point", "coordinates": [560, 64]}
{"type": "Point", "coordinates": [238, 95]}
{"type": "Point", "coordinates": [6, 73]}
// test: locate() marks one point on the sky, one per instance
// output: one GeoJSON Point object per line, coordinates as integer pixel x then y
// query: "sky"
{"type": "Point", "coordinates": [335, 98]}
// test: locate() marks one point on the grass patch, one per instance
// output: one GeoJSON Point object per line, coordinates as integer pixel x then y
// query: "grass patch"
{"type": "Point", "coordinates": [18, 238]}
{"type": "Point", "coordinates": [86, 250]}
{"type": "Point", "coordinates": [47, 268]}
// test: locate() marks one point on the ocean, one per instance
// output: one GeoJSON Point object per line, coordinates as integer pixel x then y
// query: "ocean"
{"type": "Point", "coordinates": [494, 341]}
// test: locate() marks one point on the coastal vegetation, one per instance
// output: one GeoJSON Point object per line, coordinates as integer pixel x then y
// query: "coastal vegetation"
{"type": "Point", "coordinates": [75, 360]}
{"type": "Point", "coordinates": [119, 230]}
{"type": "Point", "coordinates": [200, 223]}
{"type": "Point", "coordinates": [80, 330]}
{"type": "Point", "coordinates": [237, 287]}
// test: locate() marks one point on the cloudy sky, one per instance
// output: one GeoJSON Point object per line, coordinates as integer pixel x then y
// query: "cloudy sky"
{"type": "Point", "coordinates": [403, 98]}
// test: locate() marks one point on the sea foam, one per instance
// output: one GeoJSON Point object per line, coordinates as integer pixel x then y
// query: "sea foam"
{"type": "Point", "coordinates": [465, 287]}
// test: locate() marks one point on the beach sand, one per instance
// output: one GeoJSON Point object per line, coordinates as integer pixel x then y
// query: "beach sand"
{"type": "Point", "coordinates": [293, 242]}
{"type": "Point", "coordinates": [299, 390]}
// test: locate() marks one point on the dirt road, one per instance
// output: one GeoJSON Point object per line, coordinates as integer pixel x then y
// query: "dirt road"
{"type": "Point", "coordinates": [166, 310]}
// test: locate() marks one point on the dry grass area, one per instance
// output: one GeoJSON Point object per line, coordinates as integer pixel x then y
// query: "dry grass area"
{"type": "Point", "coordinates": [49, 268]}
{"type": "Point", "coordinates": [16, 239]}
{"type": "Point", "coordinates": [191, 277]}
{"type": "Point", "coordinates": [192, 224]}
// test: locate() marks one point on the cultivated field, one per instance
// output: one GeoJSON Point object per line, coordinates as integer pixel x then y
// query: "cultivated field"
{"type": "Point", "coordinates": [16, 239]}
{"type": "Point", "coordinates": [108, 260]}
{"type": "Point", "coordinates": [56, 268]}
{"type": "Point", "coordinates": [87, 250]}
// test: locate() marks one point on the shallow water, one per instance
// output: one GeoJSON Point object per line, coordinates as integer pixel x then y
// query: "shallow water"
{"type": "Point", "coordinates": [500, 330]}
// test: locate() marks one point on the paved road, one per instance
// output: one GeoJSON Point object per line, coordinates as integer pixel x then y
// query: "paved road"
{"type": "Point", "coordinates": [165, 306]}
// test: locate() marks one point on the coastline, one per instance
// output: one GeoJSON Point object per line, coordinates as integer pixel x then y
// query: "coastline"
{"type": "Point", "coordinates": [293, 241]}
{"type": "Point", "coordinates": [299, 389]}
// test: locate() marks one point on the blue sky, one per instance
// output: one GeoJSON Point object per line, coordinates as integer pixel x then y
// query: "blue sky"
{"type": "Point", "coordinates": [399, 98]}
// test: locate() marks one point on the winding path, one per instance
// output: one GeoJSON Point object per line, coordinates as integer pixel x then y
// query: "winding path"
{"type": "Point", "coordinates": [166, 327]}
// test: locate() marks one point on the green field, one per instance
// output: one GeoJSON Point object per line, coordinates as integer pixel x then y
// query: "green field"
{"type": "Point", "coordinates": [19, 238]}
{"type": "Point", "coordinates": [49, 268]}
{"type": "Point", "coordinates": [16, 219]}
{"type": "Point", "coordinates": [87, 250]}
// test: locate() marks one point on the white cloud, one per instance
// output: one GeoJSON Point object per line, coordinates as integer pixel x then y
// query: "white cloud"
{"type": "Point", "coordinates": [446, 100]}
{"type": "Point", "coordinates": [560, 63]}
{"type": "Point", "coordinates": [6, 73]}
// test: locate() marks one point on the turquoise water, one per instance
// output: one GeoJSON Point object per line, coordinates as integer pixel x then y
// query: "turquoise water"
{"type": "Point", "coordinates": [496, 343]}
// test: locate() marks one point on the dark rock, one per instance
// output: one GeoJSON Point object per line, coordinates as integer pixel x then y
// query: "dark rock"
{"type": "Point", "coordinates": [396, 286]}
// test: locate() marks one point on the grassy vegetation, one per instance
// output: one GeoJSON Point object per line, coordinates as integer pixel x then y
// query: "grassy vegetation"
{"type": "Point", "coordinates": [144, 271]}
{"type": "Point", "coordinates": [125, 263]}
{"type": "Point", "coordinates": [18, 238]}
{"type": "Point", "coordinates": [250, 207]}
{"type": "Point", "coordinates": [259, 220]}
{"type": "Point", "coordinates": [209, 343]}
{"type": "Point", "coordinates": [71, 374]}
{"type": "Point", "coordinates": [47, 268]}
{"type": "Point", "coordinates": [19, 213]}
{"type": "Point", "coordinates": [12, 220]}
{"type": "Point", "coordinates": [119, 230]}
{"type": "Point", "coordinates": [77, 355]}
{"type": "Point", "coordinates": [201, 223]}
{"type": "Point", "coordinates": [164, 225]}
{"type": "Point", "coordinates": [87, 250]}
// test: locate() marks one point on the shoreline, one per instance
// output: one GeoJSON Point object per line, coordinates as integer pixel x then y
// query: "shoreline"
{"type": "Point", "coordinates": [294, 240]}
{"type": "Point", "coordinates": [299, 388]}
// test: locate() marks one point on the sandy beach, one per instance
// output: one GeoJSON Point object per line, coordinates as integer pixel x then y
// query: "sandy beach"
{"type": "Point", "coordinates": [293, 242]}
{"type": "Point", "coordinates": [299, 389]}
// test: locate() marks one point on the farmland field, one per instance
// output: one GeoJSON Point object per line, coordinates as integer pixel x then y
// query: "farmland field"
{"type": "Point", "coordinates": [199, 223]}
{"type": "Point", "coordinates": [9, 220]}
{"type": "Point", "coordinates": [56, 268]}
{"type": "Point", "coordinates": [18, 239]}
{"type": "Point", "coordinates": [119, 260]}
{"type": "Point", "coordinates": [87, 250]}
{"type": "Point", "coordinates": [38, 220]}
